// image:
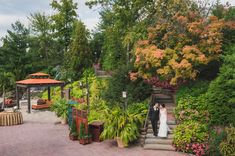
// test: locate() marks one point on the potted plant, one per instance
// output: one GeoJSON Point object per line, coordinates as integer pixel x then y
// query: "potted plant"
{"type": "Point", "coordinates": [121, 125]}
{"type": "Point", "coordinates": [73, 134]}
{"type": "Point", "coordinates": [84, 138]}
{"type": "Point", "coordinates": [60, 107]}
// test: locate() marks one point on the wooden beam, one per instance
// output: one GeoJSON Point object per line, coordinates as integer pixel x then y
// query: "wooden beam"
{"type": "Point", "coordinates": [49, 93]}
{"type": "Point", "coordinates": [21, 85]}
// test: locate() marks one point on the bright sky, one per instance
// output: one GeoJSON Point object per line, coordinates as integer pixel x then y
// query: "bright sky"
{"type": "Point", "coordinates": [12, 10]}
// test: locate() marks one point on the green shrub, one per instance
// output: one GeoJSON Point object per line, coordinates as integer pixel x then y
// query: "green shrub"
{"type": "Point", "coordinates": [121, 123]}
{"type": "Point", "coordinates": [221, 94]}
{"type": "Point", "coordinates": [97, 88]}
{"type": "Point", "coordinates": [193, 88]}
{"type": "Point", "coordinates": [60, 107]}
{"type": "Point", "coordinates": [188, 133]}
{"type": "Point", "coordinates": [75, 90]}
{"type": "Point", "coordinates": [214, 142]}
{"type": "Point", "coordinates": [82, 131]}
{"type": "Point", "coordinates": [136, 90]}
{"type": "Point", "coordinates": [55, 94]}
{"type": "Point", "coordinates": [227, 146]}
{"type": "Point", "coordinates": [192, 108]}
{"type": "Point", "coordinates": [140, 108]}
{"type": "Point", "coordinates": [73, 129]}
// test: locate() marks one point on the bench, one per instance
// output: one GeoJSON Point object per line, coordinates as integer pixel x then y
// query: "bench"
{"type": "Point", "coordinates": [42, 106]}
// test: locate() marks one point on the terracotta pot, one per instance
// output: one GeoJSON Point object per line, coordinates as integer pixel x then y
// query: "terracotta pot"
{"type": "Point", "coordinates": [63, 121]}
{"type": "Point", "coordinates": [120, 143]}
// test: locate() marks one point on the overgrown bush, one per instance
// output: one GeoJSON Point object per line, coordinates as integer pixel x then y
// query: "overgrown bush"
{"type": "Point", "coordinates": [192, 108]}
{"type": "Point", "coordinates": [189, 135]}
{"type": "Point", "coordinates": [193, 89]}
{"type": "Point", "coordinates": [192, 134]}
{"type": "Point", "coordinates": [221, 94]}
{"type": "Point", "coordinates": [121, 123]}
{"type": "Point", "coordinates": [192, 102]}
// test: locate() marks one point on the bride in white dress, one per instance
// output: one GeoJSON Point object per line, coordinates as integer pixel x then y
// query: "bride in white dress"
{"type": "Point", "coordinates": [163, 128]}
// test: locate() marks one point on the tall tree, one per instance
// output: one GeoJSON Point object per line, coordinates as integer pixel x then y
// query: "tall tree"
{"type": "Point", "coordinates": [96, 45]}
{"type": "Point", "coordinates": [79, 56]}
{"type": "Point", "coordinates": [177, 48]}
{"type": "Point", "coordinates": [42, 44]}
{"type": "Point", "coordinates": [63, 22]}
{"type": "Point", "coordinates": [7, 80]}
{"type": "Point", "coordinates": [14, 52]}
{"type": "Point", "coordinates": [122, 23]}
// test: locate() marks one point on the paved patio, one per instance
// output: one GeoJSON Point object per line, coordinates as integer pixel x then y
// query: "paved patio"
{"type": "Point", "coordinates": [41, 135]}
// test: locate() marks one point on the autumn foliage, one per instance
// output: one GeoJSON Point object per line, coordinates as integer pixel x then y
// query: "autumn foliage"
{"type": "Point", "coordinates": [177, 47]}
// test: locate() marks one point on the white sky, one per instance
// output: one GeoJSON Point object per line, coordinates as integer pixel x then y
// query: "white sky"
{"type": "Point", "coordinates": [12, 10]}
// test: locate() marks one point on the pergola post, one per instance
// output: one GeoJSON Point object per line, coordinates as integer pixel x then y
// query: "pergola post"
{"type": "Point", "coordinates": [49, 93]}
{"type": "Point", "coordinates": [17, 98]}
{"type": "Point", "coordinates": [29, 104]}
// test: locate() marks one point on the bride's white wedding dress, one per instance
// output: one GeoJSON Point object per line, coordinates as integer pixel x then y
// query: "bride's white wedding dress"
{"type": "Point", "coordinates": [163, 128]}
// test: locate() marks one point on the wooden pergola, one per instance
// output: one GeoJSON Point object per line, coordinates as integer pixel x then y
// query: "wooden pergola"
{"type": "Point", "coordinates": [37, 80]}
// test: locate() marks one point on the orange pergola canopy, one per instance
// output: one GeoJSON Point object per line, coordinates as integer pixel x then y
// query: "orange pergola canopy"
{"type": "Point", "coordinates": [37, 80]}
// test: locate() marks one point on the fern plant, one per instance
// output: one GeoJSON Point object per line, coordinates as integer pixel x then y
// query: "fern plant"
{"type": "Point", "coordinates": [121, 124]}
{"type": "Point", "coordinates": [60, 107]}
{"type": "Point", "coordinates": [227, 146]}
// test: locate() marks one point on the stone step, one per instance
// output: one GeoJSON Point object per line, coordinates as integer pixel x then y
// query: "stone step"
{"type": "Point", "coordinates": [170, 104]}
{"type": "Point", "coordinates": [158, 141]}
{"type": "Point", "coordinates": [164, 101]}
{"type": "Point", "coordinates": [160, 95]}
{"type": "Point", "coordinates": [142, 135]}
{"type": "Point", "coordinates": [150, 130]}
{"type": "Point", "coordinates": [150, 135]}
{"type": "Point", "coordinates": [170, 126]}
{"type": "Point", "coordinates": [169, 122]}
{"type": "Point", "coordinates": [159, 147]}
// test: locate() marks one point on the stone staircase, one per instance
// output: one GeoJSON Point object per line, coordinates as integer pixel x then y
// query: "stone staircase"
{"type": "Point", "coordinates": [155, 143]}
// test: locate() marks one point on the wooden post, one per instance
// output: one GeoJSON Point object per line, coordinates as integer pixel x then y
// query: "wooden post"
{"type": "Point", "coordinates": [17, 98]}
{"type": "Point", "coordinates": [49, 93]}
{"type": "Point", "coordinates": [67, 94]}
{"type": "Point", "coordinates": [29, 104]}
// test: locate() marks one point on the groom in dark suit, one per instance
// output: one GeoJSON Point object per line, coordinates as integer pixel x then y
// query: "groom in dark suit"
{"type": "Point", "coordinates": [154, 117]}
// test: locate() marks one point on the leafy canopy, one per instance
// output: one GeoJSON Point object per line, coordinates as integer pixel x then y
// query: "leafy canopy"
{"type": "Point", "coordinates": [177, 47]}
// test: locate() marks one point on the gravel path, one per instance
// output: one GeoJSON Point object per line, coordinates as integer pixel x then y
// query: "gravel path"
{"type": "Point", "coordinates": [41, 136]}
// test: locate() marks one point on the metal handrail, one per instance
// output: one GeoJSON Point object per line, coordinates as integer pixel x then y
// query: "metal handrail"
{"type": "Point", "coordinates": [146, 119]}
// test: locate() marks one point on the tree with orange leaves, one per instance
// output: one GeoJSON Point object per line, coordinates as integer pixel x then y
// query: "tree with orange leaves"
{"type": "Point", "coordinates": [177, 47]}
